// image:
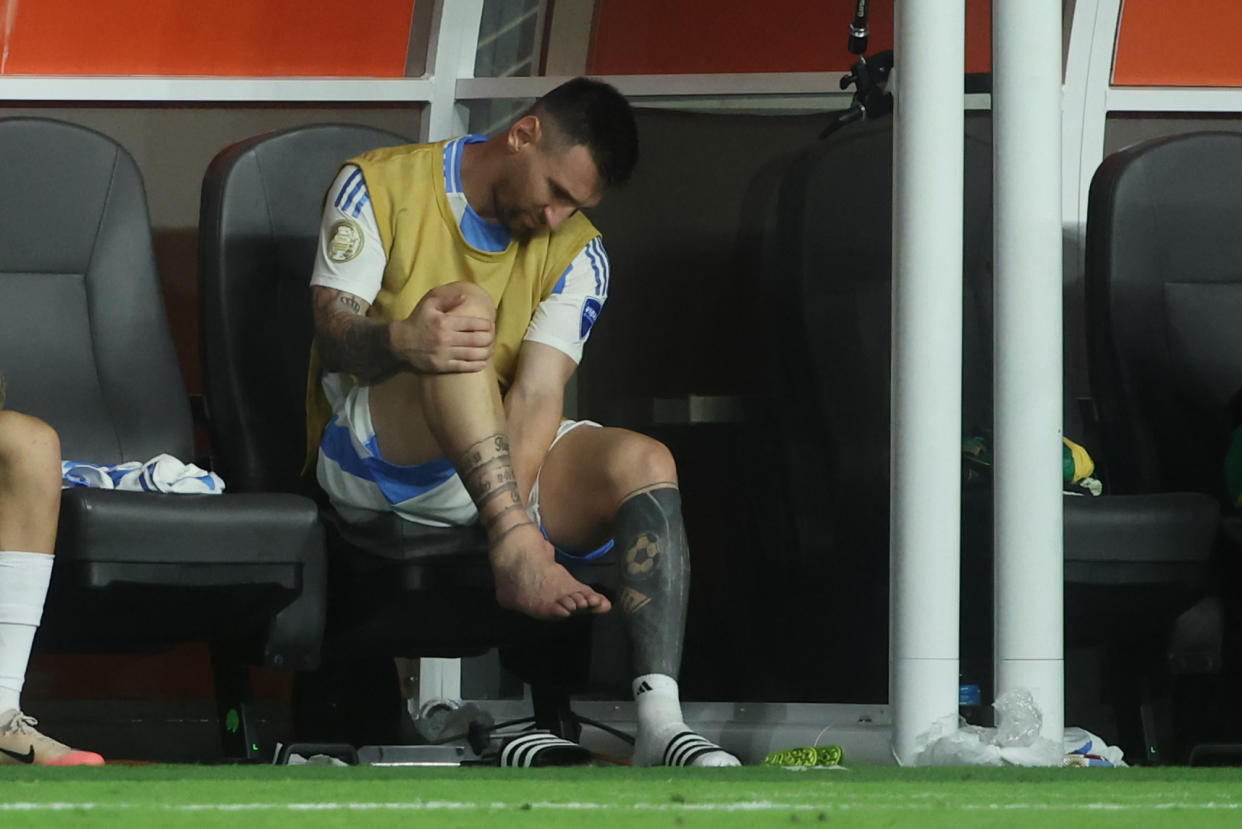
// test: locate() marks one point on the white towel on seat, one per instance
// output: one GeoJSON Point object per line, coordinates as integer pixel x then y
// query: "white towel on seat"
{"type": "Point", "coordinates": [163, 473]}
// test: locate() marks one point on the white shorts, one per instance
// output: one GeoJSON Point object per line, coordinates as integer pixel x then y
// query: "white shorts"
{"type": "Point", "coordinates": [358, 481]}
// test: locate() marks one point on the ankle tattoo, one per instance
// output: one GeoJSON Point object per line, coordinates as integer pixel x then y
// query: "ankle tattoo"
{"type": "Point", "coordinates": [500, 537]}
{"type": "Point", "coordinates": [494, 521]}
{"type": "Point", "coordinates": [483, 451]}
{"type": "Point", "coordinates": [486, 469]}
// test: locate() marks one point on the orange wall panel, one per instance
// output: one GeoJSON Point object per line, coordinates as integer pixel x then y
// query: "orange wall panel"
{"type": "Point", "coordinates": [254, 38]}
{"type": "Point", "coordinates": [710, 36]}
{"type": "Point", "coordinates": [1195, 44]}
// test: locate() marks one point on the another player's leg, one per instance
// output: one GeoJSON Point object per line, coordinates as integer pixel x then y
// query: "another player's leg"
{"type": "Point", "coordinates": [601, 482]}
{"type": "Point", "coordinates": [29, 507]}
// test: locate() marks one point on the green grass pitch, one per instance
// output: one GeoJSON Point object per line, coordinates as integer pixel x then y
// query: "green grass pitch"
{"type": "Point", "coordinates": [253, 797]}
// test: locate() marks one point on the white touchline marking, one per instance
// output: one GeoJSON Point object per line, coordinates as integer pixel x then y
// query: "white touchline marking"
{"type": "Point", "coordinates": [751, 806]}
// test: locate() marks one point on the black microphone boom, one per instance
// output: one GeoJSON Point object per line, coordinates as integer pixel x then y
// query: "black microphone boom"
{"type": "Point", "coordinates": [858, 29]}
{"type": "Point", "coordinates": [868, 77]}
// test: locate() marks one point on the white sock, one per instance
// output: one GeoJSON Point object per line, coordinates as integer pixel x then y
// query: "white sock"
{"type": "Point", "coordinates": [664, 739]}
{"type": "Point", "coordinates": [24, 578]}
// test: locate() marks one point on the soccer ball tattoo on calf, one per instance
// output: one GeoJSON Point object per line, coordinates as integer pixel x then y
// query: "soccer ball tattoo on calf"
{"type": "Point", "coordinates": [655, 577]}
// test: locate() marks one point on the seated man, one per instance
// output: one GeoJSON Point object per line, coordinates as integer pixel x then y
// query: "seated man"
{"type": "Point", "coordinates": [455, 286]}
{"type": "Point", "coordinates": [29, 512]}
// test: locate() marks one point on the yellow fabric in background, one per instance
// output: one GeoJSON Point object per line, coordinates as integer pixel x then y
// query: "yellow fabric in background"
{"type": "Point", "coordinates": [1077, 462]}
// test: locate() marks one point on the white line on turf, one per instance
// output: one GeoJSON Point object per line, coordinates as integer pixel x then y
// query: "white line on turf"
{"type": "Point", "coordinates": [756, 806]}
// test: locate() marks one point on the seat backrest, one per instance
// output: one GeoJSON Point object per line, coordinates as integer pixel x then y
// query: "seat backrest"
{"type": "Point", "coordinates": [824, 313]}
{"type": "Point", "coordinates": [1164, 309]}
{"type": "Point", "coordinates": [828, 296]}
{"type": "Point", "coordinates": [259, 219]}
{"type": "Point", "coordinates": [84, 340]}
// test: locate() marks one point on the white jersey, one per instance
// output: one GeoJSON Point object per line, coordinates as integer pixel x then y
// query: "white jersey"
{"type": "Point", "coordinates": [351, 257]}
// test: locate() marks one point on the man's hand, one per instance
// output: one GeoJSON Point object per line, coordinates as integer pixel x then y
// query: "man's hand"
{"type": "Point", "coordinates": [435, 338]}
{"type": "Point", "coordinates": [434, 341]}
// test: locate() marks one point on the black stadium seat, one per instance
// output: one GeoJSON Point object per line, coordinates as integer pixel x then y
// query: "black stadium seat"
{"type": "Point", "coordinates": [1164, 287]}
{"type": "Point", "coordinates": [85, 345]}
{"type": "Point", "coordinates": [1164, 335]}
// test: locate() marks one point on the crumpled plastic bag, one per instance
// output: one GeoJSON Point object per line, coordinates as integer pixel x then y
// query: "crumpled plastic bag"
{"type": "Point", "coordinates": [1014, 742]}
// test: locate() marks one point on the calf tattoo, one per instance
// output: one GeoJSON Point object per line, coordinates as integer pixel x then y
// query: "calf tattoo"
{"type": "Point", "coordinates": [655, 577]}
{"type": "Point", "coordinates": [486, 469]}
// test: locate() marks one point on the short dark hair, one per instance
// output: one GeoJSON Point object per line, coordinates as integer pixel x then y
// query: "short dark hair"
{"type": "Point", "coordinates": [594, 114]}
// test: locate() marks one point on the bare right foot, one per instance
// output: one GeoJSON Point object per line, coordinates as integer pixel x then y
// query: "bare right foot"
{"type": "Point", "coordinates": [529, 580]}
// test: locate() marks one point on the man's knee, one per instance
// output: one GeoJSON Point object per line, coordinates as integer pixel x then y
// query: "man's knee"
{"type": "Point", "coordinates": [476, 301]}
{"type": "Point", "coordinates": [29, 451]}
{"type": "Point", "coordinates": [643, 461]}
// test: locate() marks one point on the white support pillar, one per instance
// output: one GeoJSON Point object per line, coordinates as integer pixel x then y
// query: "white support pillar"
{"type": "Point", "coordinates": [927, 367]}
{"type": "Point", "coordinates": [450, 56]}
{"type": "Point", "coordinates": [1026, 129]}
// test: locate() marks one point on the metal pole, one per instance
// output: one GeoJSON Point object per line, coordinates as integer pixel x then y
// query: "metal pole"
{"type": "Point", "coordinates": [1026, 125]}
{"type": "Point", "coordinates": [450, 56]}
{"type": "Point", "coordinates": [927, 367]}
{"type": "Point", "coordinates": [454, 40]}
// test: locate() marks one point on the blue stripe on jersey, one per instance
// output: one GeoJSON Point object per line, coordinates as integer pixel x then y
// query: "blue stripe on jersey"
{"type": "Point", "coordinates": [455, 166]}
{"type": "Point", "coordinates": [560, 283]}
{"type": "Point", "coordinates": [458, 152]}
{"type": "Point", "coordinates": [599, 279]}
{"type": "Point", "coordinates": [398, 483]}
{"type": "Point", "coordinates": [452, 161]}
{"type": "Point", "coordinates": [598, 245]}
{"type": "Point", "coordinates": [349, 182]}
{"type": "Point", "coordinates": [359, 189]}
{"type": "Point", "coordinates": [448, 166]}
{"type": "Point", "coordinates": [362, 202]}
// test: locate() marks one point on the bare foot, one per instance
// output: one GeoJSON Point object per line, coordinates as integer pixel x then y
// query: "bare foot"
{"type": "Point", "coordinates": [529, 580]}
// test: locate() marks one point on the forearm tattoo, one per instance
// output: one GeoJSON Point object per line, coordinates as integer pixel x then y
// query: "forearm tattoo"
{"type": "Point", "coordinates": [350, 342]}
{"type": "Point", "coordinates": [655, 577]}
{"type": "Point", "coordinates": [486, 469]}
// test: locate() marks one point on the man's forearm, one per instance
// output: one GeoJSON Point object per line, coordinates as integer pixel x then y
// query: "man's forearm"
{"type": "Point", "coordinates": [358, 346]}
{"type": "Point", "coordinates": [531, 420]}
{"type": "Point", "coordinates": [348, 340]}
